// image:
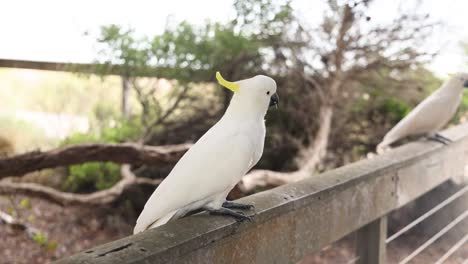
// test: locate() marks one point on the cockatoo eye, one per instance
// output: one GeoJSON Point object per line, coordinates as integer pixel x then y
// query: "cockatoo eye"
{"type": "Point", "coordinates": [268, 93]}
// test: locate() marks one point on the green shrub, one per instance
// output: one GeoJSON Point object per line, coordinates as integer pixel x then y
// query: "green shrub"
{"type": "Point", "coordinates": [43, 241]}
{"type": "Point", "coordinates": [93, 176]}
{"type": "Point", "coordinates": [462, 109]}
{"type": "Point", "coordinates": [396, 109]}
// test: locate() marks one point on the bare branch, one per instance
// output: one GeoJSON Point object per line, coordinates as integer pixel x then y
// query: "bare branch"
{"type": "Point", "coordinates": [163, 117]}
{"type": "Point", "coordinates": [119, 153]}
{"type": "Point", "coordinates": [64, 198]}
{"type": "Point", "coordinates": [16, 224]}
{"type": "Point", "coordinates": [268, 178]}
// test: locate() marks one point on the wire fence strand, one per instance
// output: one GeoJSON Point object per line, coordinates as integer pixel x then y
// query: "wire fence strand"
{"type": "Point", "coordinates": [427, 214]}
{"type": "Point", "coordinates": [353, 260]}
{"type": "Point", "coordinates": [435, 237]}
{"type": "Point", "coordinates": [452, 249]}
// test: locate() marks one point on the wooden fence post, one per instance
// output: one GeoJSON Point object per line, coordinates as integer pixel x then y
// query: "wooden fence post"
{"type": "Point", "coordinates": [125, 97]}
{"type": "Point", "coordinates": [371, 247]}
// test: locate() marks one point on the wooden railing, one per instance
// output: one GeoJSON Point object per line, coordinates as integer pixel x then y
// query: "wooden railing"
{"type": "Point", "coordinates": [50, 66]}
{"type": "Point", "coordinates": [192, 75]}
{"type": "Point", "coordinates": [301, 218]}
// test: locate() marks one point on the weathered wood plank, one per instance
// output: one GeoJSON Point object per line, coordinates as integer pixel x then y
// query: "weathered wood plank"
{"type": "Point", "coordinates": [370, 243]}
{"type": "Point", "coordinates": [187, 74]}
{"type": "Point", "coordinates": [299, 218]}
{"type": "Point", "coordinates": [52, 66]}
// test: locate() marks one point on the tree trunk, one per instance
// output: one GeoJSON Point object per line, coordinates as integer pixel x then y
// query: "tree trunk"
{"type": "Point", "coordinates": [313, 155]}
{"type": "Point", "coordinates": [125, 98]}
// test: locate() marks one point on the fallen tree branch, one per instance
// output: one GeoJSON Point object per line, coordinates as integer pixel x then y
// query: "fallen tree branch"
{"type": "Point", "coordinates": [128, 153]}
{"type": "Point", "coordinates": [268, 178]}
{"type": "Point", "coordinates": [16, 224]}
{"type": "Point", "coordinates": [64, 198]}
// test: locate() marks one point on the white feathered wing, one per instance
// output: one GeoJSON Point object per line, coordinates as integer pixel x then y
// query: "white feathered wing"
{"type": "Point", "coordinates": [202, 176]}
{"type": "Point", "coordinates": [428, 117]}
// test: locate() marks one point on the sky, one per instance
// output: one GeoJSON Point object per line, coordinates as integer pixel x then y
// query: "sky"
{"type": "Point", "coordinates": [51, 30]}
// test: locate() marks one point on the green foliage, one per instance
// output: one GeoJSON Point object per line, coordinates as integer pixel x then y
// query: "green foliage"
{"type": "Point", "coordinates": [92, 176]}
{"type": "Point", "coordinates": [119, 132]}
{"type": "Point", "coordinates": [126, 131]}
{"type": "Point", "coordinates": [41, 239]}
{"type": "Point", "coordinates": [52, 246]}
{"type": "Point", "coordinates": [462, 109]}
{"type": "Point", "coordinates": [105, 112]}
{"type": "Point", "coordinates": [263, 20]}
{"type": "Point", "coordinates": [189, 53]}
{"type": "Point", "coordinates": [98, 175]}
{"type": "Point", "coordinates": [396, 109]}
{"type": "Point", "coordinates": [25, 203]}
{"type": "Point", "coordinates": [44, 242]}
{"type": "Point", "coordinates": [266, 36]}
{"type": "Point", "coordinates": [121, 47]}
{"type": "Point", "coordinates": [186, 52]}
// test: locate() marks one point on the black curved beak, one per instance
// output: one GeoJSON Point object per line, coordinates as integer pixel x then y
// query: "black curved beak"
{"type": "Point", "coordinates": [274, 99]}
{"type": "Point", "coordinates": [465, 84]}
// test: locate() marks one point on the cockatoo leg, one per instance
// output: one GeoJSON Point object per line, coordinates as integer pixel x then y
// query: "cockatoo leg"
{"type": "Point", "coordinates": [439, 138]}
{"type": "Point", "coordinates": [436, 139]}
{"type": "Point", "coordinates": [446, 139]}
{"type": "Point", "coordinates": [224, 211]}
{"type": "Point", "coordinates": [234, 205]}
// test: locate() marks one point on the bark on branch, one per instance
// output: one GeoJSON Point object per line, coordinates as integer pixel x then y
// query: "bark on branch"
{"type": "Point", "coordinates": [268, 178]}
{"type": "Point", "coordinates": [64, 198]}
{"type": "Point", "coordinates": [128, 153]}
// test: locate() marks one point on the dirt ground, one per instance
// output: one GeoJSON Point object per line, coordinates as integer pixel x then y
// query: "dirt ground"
{"type": "Point", "coordinates": [73, 229]}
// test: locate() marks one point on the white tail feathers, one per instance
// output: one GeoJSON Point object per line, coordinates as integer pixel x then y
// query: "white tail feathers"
{"type": "Point", "coordinates": [142, 226]}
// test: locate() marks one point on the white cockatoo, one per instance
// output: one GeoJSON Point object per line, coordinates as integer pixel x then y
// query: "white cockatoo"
{"type": "Point", "coordinates": [430, 115]}
{"type": "Point", "coordinates": [203, 177]}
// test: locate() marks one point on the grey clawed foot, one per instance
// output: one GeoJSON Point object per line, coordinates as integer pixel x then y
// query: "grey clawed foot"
{"type": "Point", "coordinates": [436, 139]}
{"type": "Point", "coordinates": [439, 138]}
{"type": "Point", "coordinates": [227, 212]}
{"type": "Point", "coordinates": [446, 139]}
{"type": "Point", "coordinates": [234, 205]}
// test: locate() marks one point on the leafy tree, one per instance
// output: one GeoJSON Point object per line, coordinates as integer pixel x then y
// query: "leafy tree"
{"type": "Point", "coordinates": [326, 64]}
{"type": "Point", "coordinates": [189, 53]}
{"type": "Point", "coordinates": [342, 82]}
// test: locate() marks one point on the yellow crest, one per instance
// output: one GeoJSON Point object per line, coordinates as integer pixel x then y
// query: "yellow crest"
{"type": "Point", "coordinates": [230, 85]}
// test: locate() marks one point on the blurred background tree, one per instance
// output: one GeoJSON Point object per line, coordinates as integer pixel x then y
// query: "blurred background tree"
{"type": "Point", "coordinates": [343, 82]}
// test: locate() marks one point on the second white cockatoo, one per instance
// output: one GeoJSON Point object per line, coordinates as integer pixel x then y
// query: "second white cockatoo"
{"type": "Point", "coordinates": [432, 114]}
{"type": "Point", "coordinates": [203, 177]}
